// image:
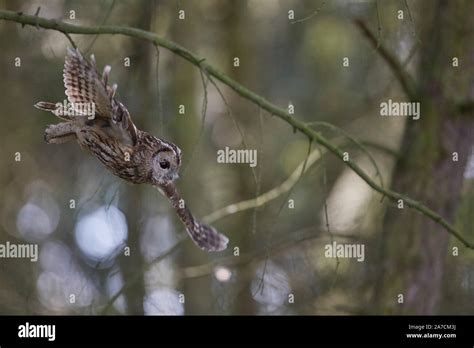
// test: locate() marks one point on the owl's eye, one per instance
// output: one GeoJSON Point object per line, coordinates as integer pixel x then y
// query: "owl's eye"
{"type": "Point", "coordinates": [164, 164]}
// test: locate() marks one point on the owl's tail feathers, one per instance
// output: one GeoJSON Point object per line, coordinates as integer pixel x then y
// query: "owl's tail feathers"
{"type": "Point", "coordinates": [207, 238]}
{"type": "Point", "coordinates": [53, 108]}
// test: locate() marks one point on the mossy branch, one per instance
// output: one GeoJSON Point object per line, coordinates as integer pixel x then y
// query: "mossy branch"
{"type": "Point", "coordinates": [67, 28]}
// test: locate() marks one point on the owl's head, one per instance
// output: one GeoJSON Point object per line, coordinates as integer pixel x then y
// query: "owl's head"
{"type": "Point", "coordinates": [165, 164]}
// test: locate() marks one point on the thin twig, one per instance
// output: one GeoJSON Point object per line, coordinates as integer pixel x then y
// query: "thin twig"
{"type": "Point", "coordinates": [379, 26]}
{"type": "Point", "coordinates": [304, 19]}
{"type": "Point", "coordinates": [70, 39]}
{"type": "Point", "coordinates": [106, 17]}
{"type": "Point", "coordinates": [326, 216]}
{"type": "Point", "coordinates": [268, 196]}
{"type": "Point", "coordinates": [158, 92]}
{"type": "Point", "coordinates": [283, 203]}
{"type": "Point", "coordinates": [234, 120]}
{"type": "Point", "coordinates": [260, 171]}
{"type": "Point", "coordinates": [302, 235]}
{"type": "Point", "coordinates": [195, 147]}
{"type": "Point", "coordinates": [412, 22]}
{"type": "Point", "coordinates": [403, 77]}
{"type": "Point", "coordinates": [284, 187]}
{"type": "Point", "coordinates": [354, 141]}
{"type": "Point", "coordinates": [138, 274]}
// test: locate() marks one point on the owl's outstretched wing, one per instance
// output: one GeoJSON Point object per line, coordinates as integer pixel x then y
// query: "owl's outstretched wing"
{"type": "Point", "coordinates": [84, 85]}
{"type": "Point", "coordinates": [206, 237]}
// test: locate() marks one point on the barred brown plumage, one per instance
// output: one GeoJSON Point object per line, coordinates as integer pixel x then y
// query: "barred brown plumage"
{"type": "Point", "coordinates": [110, 135]}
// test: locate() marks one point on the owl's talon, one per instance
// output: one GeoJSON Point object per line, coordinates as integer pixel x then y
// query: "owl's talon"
{"type": "Point", "coordinates": [59, 133]}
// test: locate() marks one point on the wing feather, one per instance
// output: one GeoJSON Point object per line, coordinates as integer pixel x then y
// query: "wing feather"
{"type": "Point", "coordinates": [84, 85]}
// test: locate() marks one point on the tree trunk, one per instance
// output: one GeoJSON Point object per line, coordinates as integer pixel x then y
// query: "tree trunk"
{"type": "Point", "coordinates": [414, 247]}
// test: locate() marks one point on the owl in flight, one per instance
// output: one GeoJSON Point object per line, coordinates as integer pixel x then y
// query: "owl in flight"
{"type": "Point", "coordinates": [110, 135]}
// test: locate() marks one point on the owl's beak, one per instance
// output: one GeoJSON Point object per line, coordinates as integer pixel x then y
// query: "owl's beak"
{"type": "Point", "coordinates": [172, 176]}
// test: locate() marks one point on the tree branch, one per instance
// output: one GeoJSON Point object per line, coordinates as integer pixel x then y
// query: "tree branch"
{"type": "Point", "coordinates": [267, 196]}
{"type": "Point", "coordinates": [304, 235]}
{"type": "Point", "coordinates": [284, 187]}
{"type": "Point", "coordinates": [405, 80]}
{"type": "Point", "coordinates": [249, 95]}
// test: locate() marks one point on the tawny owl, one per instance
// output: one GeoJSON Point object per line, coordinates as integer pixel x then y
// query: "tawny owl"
{"type": "Point", "coordinates": [109, 134]}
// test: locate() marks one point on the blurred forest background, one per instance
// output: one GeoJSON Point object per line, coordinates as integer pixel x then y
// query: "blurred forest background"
{"type": "Point", "coordinates": [281, 268]}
